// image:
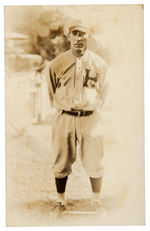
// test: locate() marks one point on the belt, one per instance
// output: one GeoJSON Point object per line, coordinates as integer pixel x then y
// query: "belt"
{"type": "Point", "coordinates": [77, 113]}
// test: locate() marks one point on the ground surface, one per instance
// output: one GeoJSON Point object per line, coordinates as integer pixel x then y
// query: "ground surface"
{"type": "Point", "coordinates": [31, 192]}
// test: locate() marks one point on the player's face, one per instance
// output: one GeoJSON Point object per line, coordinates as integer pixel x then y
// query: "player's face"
{"type": "Point", "coordinates": [78, 40]}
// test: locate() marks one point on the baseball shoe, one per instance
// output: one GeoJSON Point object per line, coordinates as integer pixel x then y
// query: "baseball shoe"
{"type": "Point", "coordinates": [96, 203]}
{"type": "Point", "coordinates": [98, 207]}
{"type": "Point", "coordinates": [61, 204]}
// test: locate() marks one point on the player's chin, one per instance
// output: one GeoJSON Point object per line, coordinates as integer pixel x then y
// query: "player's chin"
{"type": "Point", "coordinates": [78, 50]}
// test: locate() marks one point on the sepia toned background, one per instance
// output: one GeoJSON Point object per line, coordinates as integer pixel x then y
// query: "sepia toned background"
{"type": "Point", "coordinates": [33, 37]}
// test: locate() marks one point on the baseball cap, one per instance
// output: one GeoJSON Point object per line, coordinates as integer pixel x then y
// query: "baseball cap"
{"type": "Point", "coordinates": [76, 25]}
{"type": "Point", "coordinates": [80, 28]}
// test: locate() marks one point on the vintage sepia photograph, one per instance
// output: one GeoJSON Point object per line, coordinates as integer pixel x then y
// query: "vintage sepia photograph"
{"type": "Point", "coordinates": [74, 115]}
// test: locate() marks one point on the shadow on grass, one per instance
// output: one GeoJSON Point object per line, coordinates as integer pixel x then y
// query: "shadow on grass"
{"type": "Point", "coordinates": [84, 205]}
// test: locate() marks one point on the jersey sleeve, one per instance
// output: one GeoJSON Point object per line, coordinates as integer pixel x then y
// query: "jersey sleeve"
{"type": "Point", "coordinates": [51, 82]}
{"type": "Point", "coordinates": [104, 85]}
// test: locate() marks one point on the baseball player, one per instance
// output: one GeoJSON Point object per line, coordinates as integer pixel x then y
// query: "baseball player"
{"type": "Point", "coordinates": [78, 88]}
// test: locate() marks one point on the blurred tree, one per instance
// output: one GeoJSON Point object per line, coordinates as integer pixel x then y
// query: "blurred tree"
{"type": "Point", "coordinates": [44, 28]}
{"type": "Point", "coordinates": [49, 40]}
{"type": "Point", "coordinates": [51, 45]}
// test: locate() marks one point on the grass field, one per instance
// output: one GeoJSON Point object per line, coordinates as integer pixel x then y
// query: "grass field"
{"type": "Point", "coordinates": [31, 192]}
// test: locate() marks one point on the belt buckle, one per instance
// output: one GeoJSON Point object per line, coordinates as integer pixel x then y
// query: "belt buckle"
{"type": "Point", "coordinates": [79, 114]}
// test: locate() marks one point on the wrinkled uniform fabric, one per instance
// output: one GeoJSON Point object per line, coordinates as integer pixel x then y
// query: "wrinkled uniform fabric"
{"type": "Point", "coordinates": [77, 83]}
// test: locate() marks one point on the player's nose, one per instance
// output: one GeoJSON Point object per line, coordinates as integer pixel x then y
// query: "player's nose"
{"type": "Point", "coordinates": [79, 38]}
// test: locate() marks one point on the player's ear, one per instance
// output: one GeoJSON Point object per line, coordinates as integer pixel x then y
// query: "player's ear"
{"type": "Point", "coordinates": [69, 36]}
{"type": "Point", "coordinates": [88, 36]}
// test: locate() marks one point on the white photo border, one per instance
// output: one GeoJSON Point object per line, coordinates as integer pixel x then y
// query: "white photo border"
{"type": "Point", "coordinates": [147, 113]}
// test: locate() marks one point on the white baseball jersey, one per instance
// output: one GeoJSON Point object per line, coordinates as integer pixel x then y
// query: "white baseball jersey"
{"type": "Point", "coordinates": [77, 83]}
